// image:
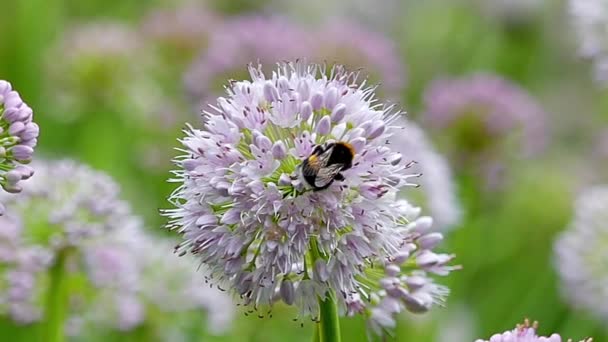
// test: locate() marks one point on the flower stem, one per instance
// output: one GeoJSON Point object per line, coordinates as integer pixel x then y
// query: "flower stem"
{"type": "Point", "coordinates": [328, 328]}
{"type": "Point", "coordinates": [57, 300]}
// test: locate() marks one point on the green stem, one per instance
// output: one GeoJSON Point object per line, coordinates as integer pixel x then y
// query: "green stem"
{"type": "Point", "coordinates": [328, 328]}
{"type": "Point", "coordinates": [316, 337]}
{"type": "Point", "coordinates": [57, 300]}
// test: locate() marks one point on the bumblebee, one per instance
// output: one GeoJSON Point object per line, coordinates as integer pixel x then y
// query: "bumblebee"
{"type": "Point", "coordinates": [325, 163]}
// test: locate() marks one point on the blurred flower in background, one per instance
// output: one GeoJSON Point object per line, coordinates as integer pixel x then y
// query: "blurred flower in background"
{"type": "Point", "coordinates": [437, 184]}
{"type": "Point", "coordinates": [69, 226]}
{"type": "Point", "coordinates": [580, 253]}
{"type": "Point", "coordinates": [18, 138]}
{"type": "Point", "coordinates": [481, 120]}
{"type": "Point", "coordinates": [245, 212]}
{"type": "Point", "coordinates": [590, 20]}
{"type": "Point", "coordinates": [180, 31]}
{"type": "Point", "coordinates": [381, 16]}
{"type": "Point", "coordinates": [109, 64]}
{"type": "Point", "coordinates": [168, 290]}
{"type": "Point", "coordinates": [238, 42]}
{"type": "Point", "coordinates": [525, 332]}
{"type": "Point", "coordinates": [354, 46]}
{"type": "Point", "coordinates": [55, 223]}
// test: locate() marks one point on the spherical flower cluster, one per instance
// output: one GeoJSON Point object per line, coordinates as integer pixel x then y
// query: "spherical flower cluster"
{"type": "Point", "coordinates": [18, 138]}
{"type": "Point", "coordinates": [437, 184]}
{"type": "Point", "coordinates": [184, 30]}
{"type": "Point", "coordinates": [353, 45]}
{"type": "Point", "coordinates": [581, 253]}
{"type": "Point", "coordinates": [59, 214]}
{"type": "Point", "coordinates": [487, 114]}
{"type": "Point", "coordinates": [264, 233]}
{"type": "Point", "coordinates": [72, 214]}
{"type": "Point", "coordinates": [166, 285]}
{"type": "Point", "coordinates": [105, 63]}
{"type": "Point", "coordinates": [590, 20]}
{"type": "Point", "coordinates": [239, 41]}
{"type": "Point", "coordinates": [271, 39]}
{"type": "Point", "coordinates": [526, 332]}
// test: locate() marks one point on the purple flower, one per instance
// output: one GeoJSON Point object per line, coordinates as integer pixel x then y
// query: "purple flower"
{"type": "Point", "coordinates": [106, 63]}
{"type": "Point", "coordinates": [164, 283]}
{"type": "Point", "coordinates": [245, 211]}
{"type": "Point", "coordinates": [70, 208]}
{"type": "Point", "coordinates": [526, 332]}
{"type": "Point", "coordinates": [484, 114]}
{"type": "Point", "coordinates": [238, 42]}
{"type": "Point", "coordinates": [66, 207]}
{"type": "Point", "coordinates": [436, 182]}
{"type": "Point", "coordinates": [18, 138]}
{"type": "Point", "coordinates": [580, 253]}
{"type": "Point", "coordinates": [590, 20]}
{"type": "Point", "coordinates": [351, 44]}
{"type": "Point", "coordinates": [182, 30]}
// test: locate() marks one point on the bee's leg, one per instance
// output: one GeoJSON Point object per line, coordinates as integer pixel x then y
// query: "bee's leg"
{"type": "Point", "coordinates": [339, 177]}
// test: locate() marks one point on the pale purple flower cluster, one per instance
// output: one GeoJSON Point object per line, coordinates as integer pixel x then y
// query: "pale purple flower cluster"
{"type": "Point", "coordinates": [501, 106]}
{"type": "Point", "coordinates": [581, 253]}
{"type": "Point", "coordinates": [66, 207]}
{"type": "Point", "coordinates": [265, 235]}
{"type": "Point", "coordinates": [351, 44]}
{"type": "Point", "coordinates": [271, 39]}
{"type": "Point", "coordinates": [106, 63]}
{"type": "Point", "coordinates": [437, 185]}
{"type": "Point", "coordinates": [235, 44]}
{"type": "Point", "coordinates": [406, 284]}
{"type": "Point", "coordinates": [72, 210]}
{"type": "Point", "coordinates": [489, 118]}
{"type": "Point", "coordinates": [166, 284]}
{"type": "Point", "coordinates": [590, 20]}
{"type": "Point", "coordinates": [18, 138]}
{"type": "Point", "coordinates": [185, 29]}
{"type": "Point", "coordinates": [526, 332]}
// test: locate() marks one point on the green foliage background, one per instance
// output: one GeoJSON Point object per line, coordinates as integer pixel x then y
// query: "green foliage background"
{"type": "Point", "coordinates": [505, 240]}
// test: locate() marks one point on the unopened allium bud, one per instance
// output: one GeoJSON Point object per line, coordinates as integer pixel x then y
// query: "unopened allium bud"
{"type": "Point", "coordinates": [249, 216]}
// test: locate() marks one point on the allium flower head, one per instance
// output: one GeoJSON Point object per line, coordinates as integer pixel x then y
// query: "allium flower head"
{"type": "Point", "coordinates": [266, 236]}
{"type": "Point", "coordinates": [353, 45]}
{"type": "Point", "coordinates": [105, 63]}
{"type": "Point", "coordinates": [581, 253]}
{"type": "Point", "coordinates": [437, 184]}
{"type": "Point", "coordinates": [239, 41]}
{"type": "Point", "coordinates": [526, 332]}
{"type": "Point", "coordinates": [18, 138]}
{"type": "Point", "coordinates": [167, 285]}
{"type": "Point", "coordinates": [590, 19]}
{"type": "Point", "coordinates": [486, 115]}
{"type": "Point", "coordinates": [183, 30]}
{"type": "Point", "coordinates": [66, 208]}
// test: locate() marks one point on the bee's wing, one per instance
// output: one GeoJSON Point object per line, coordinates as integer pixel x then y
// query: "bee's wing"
{"type": "Point", "coordinates": [327, 174]}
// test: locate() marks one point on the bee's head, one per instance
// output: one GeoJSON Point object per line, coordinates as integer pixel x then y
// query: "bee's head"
{"type": "Point", "coordinates": [343, 153]}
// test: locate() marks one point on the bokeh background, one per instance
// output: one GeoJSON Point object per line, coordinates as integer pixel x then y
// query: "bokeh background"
{"type": "Point", "coordinates": [112, 83]}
